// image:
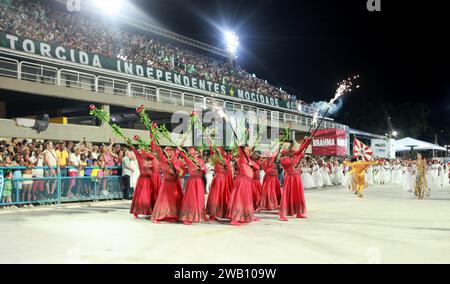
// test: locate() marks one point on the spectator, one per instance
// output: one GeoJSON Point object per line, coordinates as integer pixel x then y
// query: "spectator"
{"type": "Point", "coordinates": [51, 162]}
{"type": "Point", "coordinates": [7, 188]}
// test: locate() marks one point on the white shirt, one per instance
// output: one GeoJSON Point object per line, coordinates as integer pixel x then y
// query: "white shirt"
{"type": "Point", "coordinates": [74, 161]}
{"type": "Point", "coordinates": [51, 156]}
{"type": "Point", "coordinates": [40, 162]}
{"type": "Point", "coordinates": [95, 155]}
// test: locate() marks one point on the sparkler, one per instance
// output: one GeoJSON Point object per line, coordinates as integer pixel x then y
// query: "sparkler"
{"type": "Point", "coordinates": [344, 88]}
{"type": "Point", "coordinates": [225, 116]}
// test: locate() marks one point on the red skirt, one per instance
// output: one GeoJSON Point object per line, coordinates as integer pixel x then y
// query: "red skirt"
{"type": "Point", "coordinates": [168, 204]}
{"type": "Point", "coordinates": [193, 205]}
{"type": "Point", "coordinates": [142, 197]}
{"type": "Point", "coordinates": [218, 198]}
{"type": "Point", "coordinates": [156, 178]}
{"type": "Point", "coordinates": [270, 193]}
{"type": "Point", "coordinates": [293, 198]}
{"type": "Point", "coordinates": [240, 207]}
{"type": "Point", "coordinates": [256, 192]}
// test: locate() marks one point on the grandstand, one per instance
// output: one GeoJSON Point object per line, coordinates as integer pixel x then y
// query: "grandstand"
{"type": "Point", "coordinates": [58, 63]}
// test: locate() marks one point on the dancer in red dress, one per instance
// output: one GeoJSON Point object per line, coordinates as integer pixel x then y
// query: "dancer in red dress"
{"type": "Point", "coordinates": [240, 208]}
{"type": "Point", "coordinates": [156, 172]}
{"type": "Point", "coordinates": [143, 202]}
{"type": "Point", "coordinates": [271, 189]}
{"type": "Point", "coordinates": [193, 205]}
{"type": "Point", "coordinates": [293, 196]}
{"type": "Point", "coordinates": [219, 195]}
{"type": "Point", "coordinates": [168, 204]}
{"type": "Point", "coordinates": [256, 183]}
{"type": "Point", "coordinates": [228, 157]}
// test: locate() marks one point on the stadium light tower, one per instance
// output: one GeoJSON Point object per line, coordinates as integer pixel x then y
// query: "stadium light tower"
{"type": "Point", "coordinates": [232, 43]}
{"type": "Point", "coordinates": [110, 7]}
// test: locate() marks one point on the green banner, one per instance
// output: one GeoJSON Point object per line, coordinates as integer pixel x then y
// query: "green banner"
{"type": "Point", "coordinates": [77, 56]}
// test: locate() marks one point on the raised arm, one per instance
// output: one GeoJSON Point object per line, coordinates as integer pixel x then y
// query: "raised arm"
{"type": "Point", "coordinates": [136, 152]}
{"type": "Point", "coordinates": [152, 143]}
{"type": "Point", "coordinates": [184, 156]}
{"type": "Point", "coordinates": [160, 153]}
{"type": "Point", "coordinates": [305, 144]}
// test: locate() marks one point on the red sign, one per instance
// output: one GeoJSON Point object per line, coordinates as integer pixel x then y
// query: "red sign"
{"type": "Point", "coordinates": [329, 142]}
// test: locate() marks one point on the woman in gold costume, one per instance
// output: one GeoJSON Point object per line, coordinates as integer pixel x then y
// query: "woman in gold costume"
{"type": "Point", "coordinates": [421, 186]}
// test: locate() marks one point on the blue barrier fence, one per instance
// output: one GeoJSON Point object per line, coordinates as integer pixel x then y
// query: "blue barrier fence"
{"type": "Point", "coordinates": [67, 185]}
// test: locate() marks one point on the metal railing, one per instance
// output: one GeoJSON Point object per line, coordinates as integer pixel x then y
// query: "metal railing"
{"type": "Point", "coordinates": [44, 188]}
{"type": "Point", "coordinates": [102, 84]}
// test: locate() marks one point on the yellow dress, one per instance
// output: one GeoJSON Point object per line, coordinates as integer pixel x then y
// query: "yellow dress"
{"type": "Point", "coordinates": [359, 170]}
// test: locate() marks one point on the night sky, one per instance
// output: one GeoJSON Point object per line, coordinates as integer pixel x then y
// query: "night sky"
{"type": "Point", "coordinates": [308, 46]}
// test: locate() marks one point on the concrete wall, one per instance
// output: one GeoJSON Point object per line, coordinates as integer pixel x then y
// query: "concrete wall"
{"type": "Point", "coordinates": [39, 89]}
{"type": "Point", "coordinates": [9, 129]}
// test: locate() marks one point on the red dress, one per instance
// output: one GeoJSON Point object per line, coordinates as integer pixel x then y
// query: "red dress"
{"type": "Point", "coordinates": [142, 203]}
{"type": "Point", "coordinates": [168, 204]}
{"type": "Point", "coordinates": [271, 189]}
{"type": "Point", "coordinates": [193, 205]}
{"type": "Point", "coordinates": [293, 197]}
{"type": "Point", "coordinates": [240, 207]}
{"type": "Point", "coordinates": [156, 174]}
{"type": "Point", "coordinates": [256, 187]}
{"type": "Point", "coordinates": [229, 172]}
{"type": "Point", "coordinates": [219, 195]}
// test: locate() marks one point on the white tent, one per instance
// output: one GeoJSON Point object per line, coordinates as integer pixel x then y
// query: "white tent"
{"type": "Point", "coordinates": [408, 144]}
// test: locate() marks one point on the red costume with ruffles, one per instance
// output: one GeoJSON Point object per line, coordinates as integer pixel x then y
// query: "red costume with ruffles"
{"type": "Point", "coordinates": [240, 208]}
{"type": "Point", "coordinates": [143, 202]}
{"type": "Point", "coordinates": [168, 204]}
{"type": "Point", "coordinates": [256, 186]}
{"type": "Point", "coordinates": [219, 194]}
{"type": "Point", "coordinates": [271, 189]}
{"type": "Point", "coordinates": [293, 196]}
{"type": "Point", "coordinates": [193, 205]}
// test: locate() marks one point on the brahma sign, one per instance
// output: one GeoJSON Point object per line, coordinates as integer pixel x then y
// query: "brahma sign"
{"type": "Point", "coordinates": [329, 142]}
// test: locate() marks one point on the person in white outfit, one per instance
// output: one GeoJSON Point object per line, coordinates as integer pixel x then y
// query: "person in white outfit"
{"type": "Point", "coordinates": [338, 174]}
{"type": "Point", "coordinates": [326, 175]}
{"type": "Point", "coordinates": [433, 176]}
{"type": "Point", "coordinates": [444, 177]}
{"type": "Point", "coordinates": [307, 179]}
{"type": "Point", "coordinates": [369, 176]}
{"type": "Point", "coordinates": [135, 173]}
{"type": "Point", "coordinates": [396, 173]}
{"type": "Point", "coordinates": [376, 174]}
{"type": "Point", "coordinates": [347, 178]}
{"type": "Point", "coordinates": [209, 175]}
{"type": "Point", "coordinates": [317, 175]}
{"type": "Point", "coordinates": [409, 178]}
{"type": "Point", "coordinates": [383, 174]}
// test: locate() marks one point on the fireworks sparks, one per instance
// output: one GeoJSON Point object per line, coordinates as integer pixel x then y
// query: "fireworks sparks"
{"type": "Point", "coordinates": [345, 87]}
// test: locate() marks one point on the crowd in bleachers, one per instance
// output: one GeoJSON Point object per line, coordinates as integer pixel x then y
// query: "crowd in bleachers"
{"type": "Point", "coordinates": [38, 20]}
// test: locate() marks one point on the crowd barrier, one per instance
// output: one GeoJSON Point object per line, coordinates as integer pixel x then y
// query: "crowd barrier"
{"type": "Point", "coordinates": [59, 188]}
